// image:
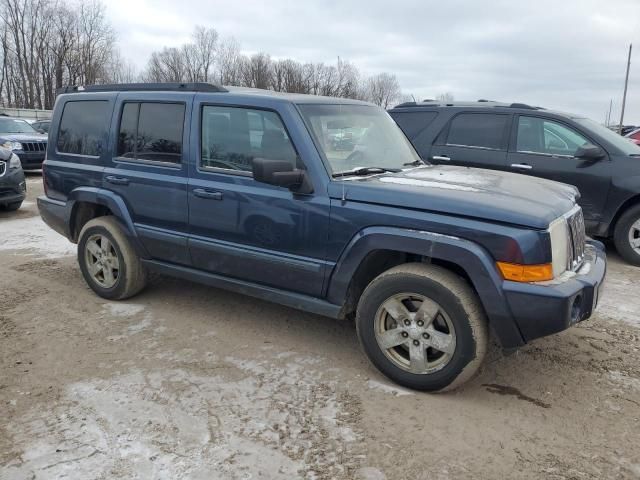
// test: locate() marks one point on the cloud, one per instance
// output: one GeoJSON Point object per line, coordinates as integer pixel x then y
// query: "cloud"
{"type": "Point", "coordinates": [562, 54]}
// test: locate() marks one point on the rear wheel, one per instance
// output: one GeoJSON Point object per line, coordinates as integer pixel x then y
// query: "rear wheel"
{"type": "Point", "coordinates": [108, 261]}
{"type": "Point", "coordinates": [423, 327]}
{"type": "Point", "coordinates": [627, 235]}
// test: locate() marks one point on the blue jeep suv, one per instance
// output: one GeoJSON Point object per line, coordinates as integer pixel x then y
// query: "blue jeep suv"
{"type": "Point", "coordinates": [248, 190]}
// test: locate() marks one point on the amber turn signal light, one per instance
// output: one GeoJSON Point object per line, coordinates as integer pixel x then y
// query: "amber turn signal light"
{"type": "Point", "coordinates": [525, 273]}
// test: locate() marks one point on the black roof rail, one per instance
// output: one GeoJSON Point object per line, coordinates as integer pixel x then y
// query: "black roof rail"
{"type": "Point", "coordinates": [524, 106]}
{"type": "Point", "coordinates": [406, 104]}
{"type": "Point", "coordinates": [145, 87]}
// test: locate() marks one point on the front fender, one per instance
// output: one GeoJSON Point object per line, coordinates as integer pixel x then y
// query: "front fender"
{"type": "Point", "coordinates": [469, 256]}
{"type": "Point", "coordinates": [116, 204]}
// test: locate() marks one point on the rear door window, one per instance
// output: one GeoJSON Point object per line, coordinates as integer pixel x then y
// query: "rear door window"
{"type": "Point", "coordinates": [480, 130]}
{"type": "Point", "coordinates": [151, 131]}
{"type": "Point", "coordinates": [82, 127]}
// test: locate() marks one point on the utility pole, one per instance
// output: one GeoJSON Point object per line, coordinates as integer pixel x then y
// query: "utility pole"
{"type": "Point", "coordinates": [608, 120]}
{"type": "Point", "coordinates": [624, 95]}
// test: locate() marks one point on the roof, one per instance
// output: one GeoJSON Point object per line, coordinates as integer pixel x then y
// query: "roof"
{"type": "Point", "coordinates": [298, 98]}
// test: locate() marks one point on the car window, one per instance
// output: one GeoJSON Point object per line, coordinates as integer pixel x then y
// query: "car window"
{"type": "Point", "coordinates": [412, 123]}
{"type": "Point", "coordinates": [82, 127]}
{"type": "Point", "coordinates": [483, 130]}
{"type": "Point", "coordinates": [233, 136]}
{"type": "Point", "coordinates": [539, 135]}
{"type": "Point", "coordinates": [151, 131]}
{"type": "Point", "coordinates": [15, 125]}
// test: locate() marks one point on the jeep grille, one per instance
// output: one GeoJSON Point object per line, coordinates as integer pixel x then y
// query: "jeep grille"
{"type": "Point", "coordinates": [577, 239]}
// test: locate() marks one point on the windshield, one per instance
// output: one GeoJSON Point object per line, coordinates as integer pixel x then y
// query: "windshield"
{"type": "Point", "coordinates": [13, 125]}
{"type": "Point", "coordinates": [618, 141]}
{"type": "Point", "coordinates": [358, 136]}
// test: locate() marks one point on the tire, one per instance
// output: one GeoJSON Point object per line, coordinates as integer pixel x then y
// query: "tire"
{"type": "Point", "coordinates": [458, 310]}
{"type": "Point", "coordinates": [130, 276]}
{"type": "Point", "coordinates": [627, 230]}
{"type": "Point", "coordinates": [12, 207]}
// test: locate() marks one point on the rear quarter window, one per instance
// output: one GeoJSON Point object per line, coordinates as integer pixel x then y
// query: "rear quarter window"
{"type": "Point", "coordinates": [413, 123]}
{"type": "Point", "coordinates": [82, 127]}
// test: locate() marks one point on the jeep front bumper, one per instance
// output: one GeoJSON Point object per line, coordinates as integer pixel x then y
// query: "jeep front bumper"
{"type": "Point", "coordinates": [545, 308]}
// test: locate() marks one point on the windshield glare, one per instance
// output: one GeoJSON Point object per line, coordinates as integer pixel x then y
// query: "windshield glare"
{"type": "Point", "coordinates": [13, 125]}
{"type": "Point", "coordinates": [618, 141]}
{"type": "Point", "coordinates": [356, 136]}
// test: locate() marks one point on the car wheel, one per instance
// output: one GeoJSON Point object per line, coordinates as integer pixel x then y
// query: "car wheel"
{"type": "Point", "coordinates": [627, 235]}
{"type": "Point", "coordinates": [423, 327]}
{"type": "Point", "coordinates": [12, 207]}
{"type": "Point", "coordinates": [108, 261]}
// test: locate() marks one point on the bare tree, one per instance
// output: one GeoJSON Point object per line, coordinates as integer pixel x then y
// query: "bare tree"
{"type": "Point", "coordinates": [383, 89]}
{"type": "Point", "coordinates": [229, 62]}
{"type": "Point", "coordinates": [256, 71]}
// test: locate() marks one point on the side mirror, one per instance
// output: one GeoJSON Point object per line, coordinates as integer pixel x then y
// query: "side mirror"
{"type": "Point", "coordinates": [282, 174]}
{"type": "Point", "coordinates": [589, 151]}
{"type": "Point", "coordinates": [41, 131]}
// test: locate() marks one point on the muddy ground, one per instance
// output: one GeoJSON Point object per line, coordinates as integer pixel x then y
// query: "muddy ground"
{"type": "Point", "coordinates": [186, 381]}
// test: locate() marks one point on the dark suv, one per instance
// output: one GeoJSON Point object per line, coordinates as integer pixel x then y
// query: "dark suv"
{"type": "Point", "coordinates": [519, 138]}
{"type": "Point", "coordinates": [25, 141]}
{"type": "Point", "coordinates": [249, 190]}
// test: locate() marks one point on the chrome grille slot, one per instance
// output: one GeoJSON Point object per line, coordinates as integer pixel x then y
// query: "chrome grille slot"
{"type": "Point", "coordinates": [577, 241]}
{"type": "Point", "coordinates": [3, 168]}
{"type": "Point", "coordinates": [34, 146]}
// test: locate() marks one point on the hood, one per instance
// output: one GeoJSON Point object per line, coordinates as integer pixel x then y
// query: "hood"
{"type": "Point", "coordinates": [470, 192]}
{"type": "Point", "coordinates": [24, 137]}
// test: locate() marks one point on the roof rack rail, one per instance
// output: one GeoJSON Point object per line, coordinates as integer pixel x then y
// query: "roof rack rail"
{"type": "Point", "coordinates": [143, 87]}
{"type": "Point", "coordinates": [406, 104]}
{"type": "Point", "coordinates": [524, 106]}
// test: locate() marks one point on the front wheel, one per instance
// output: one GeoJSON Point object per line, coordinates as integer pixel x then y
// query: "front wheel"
{"type": "Point", "coordinates": [627, 235]}
{"type": "Point", "coordinates": [423, 327]}
{"type": "Point", "coordinates": [108, 262]}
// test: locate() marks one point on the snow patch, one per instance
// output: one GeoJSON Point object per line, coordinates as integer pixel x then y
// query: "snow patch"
{"type": "Point", "coordinates": [35, 237]}
{"type": "Point", "coordinates": [124, 309]}
{"type": "Point", "coordinates": [276, 423]}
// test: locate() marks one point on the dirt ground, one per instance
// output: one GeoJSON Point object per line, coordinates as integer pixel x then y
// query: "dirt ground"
{"type": "Point", "coordinates": [186, 381]}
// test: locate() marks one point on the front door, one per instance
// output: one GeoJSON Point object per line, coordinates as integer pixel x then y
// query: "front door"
{"type": "Point", "coordinates": [545, 148]}
{"type": "Point", "coordinates": [149, 171]}
{"type": "Point", "coordinates": [244, 229]}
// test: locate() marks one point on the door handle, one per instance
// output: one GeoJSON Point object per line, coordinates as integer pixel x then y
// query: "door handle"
{"type": "Point", "coordinates": [208, 194]}
{"type": "Point", "coordinates": [442, 158]}
{"type": "Point", "coordinates": [117, 180]}
{"type": "Point", "coordinates": [521, 166]}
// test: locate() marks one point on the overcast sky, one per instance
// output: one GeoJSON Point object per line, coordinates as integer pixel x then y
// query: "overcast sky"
{"type": "Point", "coordinates": [562, 54]}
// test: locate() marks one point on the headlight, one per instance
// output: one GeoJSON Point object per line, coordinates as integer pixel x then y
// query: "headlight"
{"type": "Point", "coordinates": [12, 145]}
{"type": "Point", "coordinates": [14, 162]}
{"type": "Point", "coordinates": [559, 233]}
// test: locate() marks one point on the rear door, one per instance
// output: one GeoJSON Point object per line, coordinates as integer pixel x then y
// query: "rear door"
{"type": "Point", "coordinates": [473, 139]}
{"type": "Point", "coordinates": [545, 147]}
{"type": "Point", "coordinates": [148, 169]}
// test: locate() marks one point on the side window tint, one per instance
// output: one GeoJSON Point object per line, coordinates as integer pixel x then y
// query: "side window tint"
{"type": "Point", "coordinates": [538, 135]}
{"type": "Point", "coordinates": [127, 133]}
{"type": "Point", "coordinates": [412, 123]}
{"type": "Point", "coordinates": [483, 130]}
{"type": "Point", "coordinates": [233, 136]}
{"type": "Point", "coordinates": [82, 127]}
{"type": "Point", "coordinates": [151, 131]}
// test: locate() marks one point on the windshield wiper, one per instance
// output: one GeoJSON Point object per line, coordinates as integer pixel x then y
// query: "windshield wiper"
{"type": "Point", "coordinates": [365, 171]}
